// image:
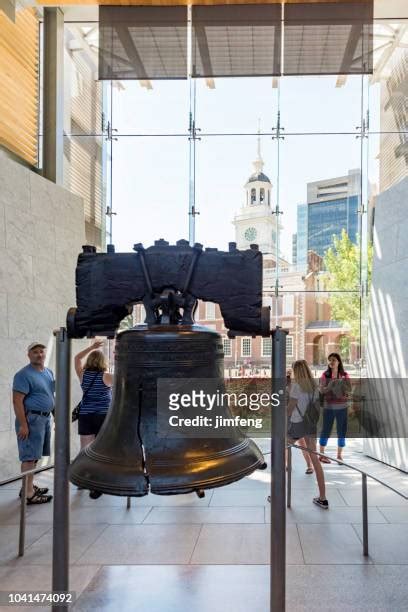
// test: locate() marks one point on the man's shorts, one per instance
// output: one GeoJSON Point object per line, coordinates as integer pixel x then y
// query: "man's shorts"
{"type": "Point", "coordinates": [38, 443]}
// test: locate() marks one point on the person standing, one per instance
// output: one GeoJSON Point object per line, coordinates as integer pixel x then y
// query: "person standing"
{"type": "Point", "coordinates": [96, 384]}
{"type": "Point", "coordinates": [33, 402]}
{"type": "Point", "coordinates": [335, 387]}
{"type": "Point", "coordinates": [304, 391]}
{"type": "Point", "coordinates": [301, 441]}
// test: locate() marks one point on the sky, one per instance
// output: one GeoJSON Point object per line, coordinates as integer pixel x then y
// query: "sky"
{"type": "Point", "coordinates": [151, 172]}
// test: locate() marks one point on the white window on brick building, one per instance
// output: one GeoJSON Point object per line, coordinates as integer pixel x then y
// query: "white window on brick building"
{"type": "Point", "coordinates": [227, 342]}
{"type": "Point", "coordinates": [245, 347]}
{"type": "Point", "coordinates": [209, 311]}
{"type": "Point", "coordinates": [289, 346]}
{"type": "Point", "coordinates": [288, 305]}
{"type": "Point", "coordinates": [266, 347]}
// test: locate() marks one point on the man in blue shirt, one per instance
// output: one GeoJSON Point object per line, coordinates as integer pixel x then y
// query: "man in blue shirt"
{"type": "Point", "coordinates": [33, 400]}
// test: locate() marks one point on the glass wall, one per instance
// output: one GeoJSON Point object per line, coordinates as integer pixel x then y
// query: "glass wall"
{"type": "Point", "coordinates": [295, 164]}
{"type": "Point", "coordinates": [87, 131]}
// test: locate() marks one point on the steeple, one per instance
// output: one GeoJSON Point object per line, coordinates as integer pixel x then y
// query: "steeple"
{"type": "Point", "coordinates": [259, 162]}
{"type": "Point", "coordinates": [258, 186]}
{"type": "Point", "coordinates": [255, 222]}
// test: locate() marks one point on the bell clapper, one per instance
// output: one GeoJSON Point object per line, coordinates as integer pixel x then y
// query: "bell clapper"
{"type": "Point", "coordinates": [200, 493]}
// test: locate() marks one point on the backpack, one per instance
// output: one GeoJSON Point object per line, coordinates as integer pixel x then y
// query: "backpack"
{"type": "Point", "coordinates": [312, 412]}
{"type": "Point", "coordinates": [311, 416]}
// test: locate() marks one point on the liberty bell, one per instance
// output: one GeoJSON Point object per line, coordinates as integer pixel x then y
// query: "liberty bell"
{"type": "Point", "coordinates": [132, 455]}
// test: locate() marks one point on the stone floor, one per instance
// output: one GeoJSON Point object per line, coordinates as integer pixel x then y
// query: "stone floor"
{"type": "Point", "coordinates": [184, 554]}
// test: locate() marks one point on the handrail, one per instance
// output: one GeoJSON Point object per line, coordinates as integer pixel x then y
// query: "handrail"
{"type": "Point", "coordinates": [21, 475]}
{"type": "Point", "coordinates": [352, 467]}
{"type": "Point", "coordinates": [363, 484]}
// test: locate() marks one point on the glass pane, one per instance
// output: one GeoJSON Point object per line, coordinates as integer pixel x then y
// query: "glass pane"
{"type": "Point", "coordinates": [236, 40]}
{"type": "Point", "coordinates": [150, 107]}
{"type": "Point", "coordinates": [238, 105]}
{"type": "Point", "coordinates": [236, 192]}
{"type": "Point", "coordinates": [150, 190]}
{"type": "Point", "coordinates": [387, 89]}
{"type": "Point", "coordinates": [142, 42]}
{"type": "Point", "coordinates": [85, 159]}
{"type": "Point", "coordinates": [320, 192]}
{"type": "Point", "coordinates": [318, 324]}
{"type": "Point", "coordinates": [83, 93]}
{"type": "Point", "coordinates": [302, 109]}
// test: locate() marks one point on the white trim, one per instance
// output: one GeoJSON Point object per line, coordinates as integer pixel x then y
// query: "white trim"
{"type": "Point", "coordinates": [291, 342]}
{"type": "Point", "coordinates": [224, 340]}
{"type": "Point", "coordinates": [246, 338]}
{"type": "Point", "coordinates": [263, 353]}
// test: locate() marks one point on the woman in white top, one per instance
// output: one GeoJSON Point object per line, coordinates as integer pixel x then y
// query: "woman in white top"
{"type": "Point", "coordinates": [303, 391]}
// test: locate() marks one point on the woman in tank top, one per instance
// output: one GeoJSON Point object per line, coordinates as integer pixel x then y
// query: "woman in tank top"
{"type": "Point", "coordinates": [96, 384]}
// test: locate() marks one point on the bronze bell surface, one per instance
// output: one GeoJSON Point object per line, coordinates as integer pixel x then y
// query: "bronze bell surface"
{"type": "Point", "coordinates": [129, 457]}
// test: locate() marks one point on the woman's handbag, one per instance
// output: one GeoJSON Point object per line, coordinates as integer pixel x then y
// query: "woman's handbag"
{"type": "Point", "coordinates": [76, 410]}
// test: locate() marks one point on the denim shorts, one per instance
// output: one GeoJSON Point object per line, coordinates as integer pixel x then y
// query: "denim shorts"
{"type": "Point", "coordinates": [38, 443]}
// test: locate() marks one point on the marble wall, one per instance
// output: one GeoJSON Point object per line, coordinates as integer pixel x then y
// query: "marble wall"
{"type": "Point", "coordinates": [41, 234]}
{"type": "Point", "coordinates": [387, 354]}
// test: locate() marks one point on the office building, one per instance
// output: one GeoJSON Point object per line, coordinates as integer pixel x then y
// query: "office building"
{"type": "Point", "coordinates": [332, 206]}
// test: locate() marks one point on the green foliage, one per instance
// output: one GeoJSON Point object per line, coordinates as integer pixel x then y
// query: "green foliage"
{"type": "Point", "coordinates": [343, 262]}
{"type": "Point", "coordinates": [344, 347]}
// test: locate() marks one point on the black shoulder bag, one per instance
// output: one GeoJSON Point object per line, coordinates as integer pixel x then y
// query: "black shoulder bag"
{"type": "Point", "coordinates": [75, 412]}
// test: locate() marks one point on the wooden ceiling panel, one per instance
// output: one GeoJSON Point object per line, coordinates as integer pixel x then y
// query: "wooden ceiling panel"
{"type": "Point", "coordinates": [177, 2]}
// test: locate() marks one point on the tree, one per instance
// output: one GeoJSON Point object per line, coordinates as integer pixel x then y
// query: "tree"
{"type": "Point", "coordinates": [342, 262]}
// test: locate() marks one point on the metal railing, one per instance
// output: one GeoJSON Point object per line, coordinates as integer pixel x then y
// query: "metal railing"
{"type": "Point", "coordinates": [364, 496]}
{"type": "Point", "coordinates": [23, 477]}
{"type": "Point", "coordinates": [23, 505]}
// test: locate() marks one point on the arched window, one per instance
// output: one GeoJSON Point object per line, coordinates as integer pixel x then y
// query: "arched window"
{"type": "Point", "coordinates": [253, 196]}
{"type": "Point", "coordinates": [262, 195]}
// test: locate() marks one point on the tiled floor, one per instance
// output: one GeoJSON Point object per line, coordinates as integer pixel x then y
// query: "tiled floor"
{"type": "Point", "coordinates": [183, 554]}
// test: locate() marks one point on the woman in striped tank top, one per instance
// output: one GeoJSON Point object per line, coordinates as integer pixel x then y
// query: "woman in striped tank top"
{"type": "Point", "coordinates": [96, 384]}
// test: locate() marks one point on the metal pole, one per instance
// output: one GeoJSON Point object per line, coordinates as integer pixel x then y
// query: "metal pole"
{"type": "Point", "coordinates": [365, 514]}
{"type": "Point", "coordinates": [289, 491]}
{"type": "Point", "coordinates": [23, 504]}
{"type": "Point", "coordinates": [129, 503]}
{"type": "Point", "coordinates": [60, 542]}
{"type": "Point", "coordinates": [53, 113]}
{"type": "Point", "coordinates": [278, 479]}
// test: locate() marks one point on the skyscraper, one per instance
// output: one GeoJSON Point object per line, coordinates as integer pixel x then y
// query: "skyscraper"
{"type": "Point", "coordinates": [301, 238]}
{"type": "Point", "coordinates": [332, 205]}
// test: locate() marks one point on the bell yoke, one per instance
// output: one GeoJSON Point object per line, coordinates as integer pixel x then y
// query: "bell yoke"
{"type": "Point", "coordinates": [130, 456]}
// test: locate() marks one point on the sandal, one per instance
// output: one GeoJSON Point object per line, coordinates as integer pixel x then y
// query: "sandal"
{"type": "Point", "coordinates": [37, 498]}
{"type": "Point", "coordinates": [95, 494]}
{"type": "Point", "coordinates": [324, 459]}
{"type": "Point", "coordinates": [40, 490]}
{"type": "Point", "coordinates": [309, 470]}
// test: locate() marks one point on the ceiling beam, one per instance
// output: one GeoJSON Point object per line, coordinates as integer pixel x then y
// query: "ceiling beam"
{"type": "Point", "coordinates": [131, 51]}
{"type": "Point", "coordinates": [204, 50]}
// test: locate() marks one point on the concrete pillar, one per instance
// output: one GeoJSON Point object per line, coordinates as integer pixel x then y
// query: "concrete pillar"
{"type": "Point", "coordinates": [53, 96]}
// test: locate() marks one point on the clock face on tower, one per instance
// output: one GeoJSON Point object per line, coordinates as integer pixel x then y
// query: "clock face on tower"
{"type": "Point", "coordinates": [250, 234]}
